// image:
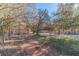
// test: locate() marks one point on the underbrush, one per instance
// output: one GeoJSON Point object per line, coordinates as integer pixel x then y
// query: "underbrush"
{"type": "Point", "coordinates": [66, 45]}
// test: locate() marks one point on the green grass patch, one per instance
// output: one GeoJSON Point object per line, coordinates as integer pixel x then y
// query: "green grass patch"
{"type": "Point", "coordinates": [66, 44]}
{"type": "Point", "coordinates": [39, 38]}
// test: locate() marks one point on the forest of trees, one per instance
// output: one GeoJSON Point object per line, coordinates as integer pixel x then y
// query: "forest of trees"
{"type": "Point", "coordinates": [65, 18]}
{"type": "Point", "coordinates": [26, 21]}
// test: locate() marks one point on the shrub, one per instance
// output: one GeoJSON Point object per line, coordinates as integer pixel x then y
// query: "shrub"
{"type": "Point", "coordinates": [66, 45]}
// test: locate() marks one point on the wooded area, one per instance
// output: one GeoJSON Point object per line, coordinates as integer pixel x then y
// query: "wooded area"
{"type": "Point", "coordinates": [26, 30]}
